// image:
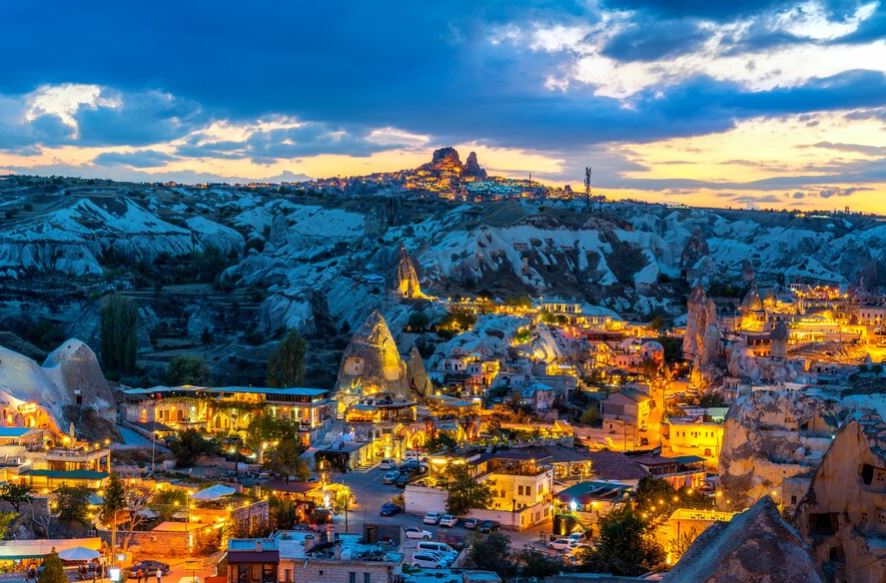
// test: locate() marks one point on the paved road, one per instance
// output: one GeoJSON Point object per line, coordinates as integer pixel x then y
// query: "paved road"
{"type": "Point", "coordinates": [371, 493]}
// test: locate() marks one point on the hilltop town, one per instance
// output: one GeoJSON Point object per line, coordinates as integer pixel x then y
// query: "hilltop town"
{"type": "Point", "coordinates": [436, 374]}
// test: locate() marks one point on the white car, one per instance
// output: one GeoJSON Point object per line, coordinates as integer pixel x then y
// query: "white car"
{"type": "Point", "coordinates": [562, 544]}
{"type": "Point", "coordinates": [428, 561]}
{"type": "Point", "coordinates": [417, 533]}
{"type": "Point", "coordinates": [432, 518]}
{"type": "Point", "coordinates": [576, 536]}
{"type": "Point", "coordinates": [387, 464]}
{"type": "Point", "coordinates": [448, 520]}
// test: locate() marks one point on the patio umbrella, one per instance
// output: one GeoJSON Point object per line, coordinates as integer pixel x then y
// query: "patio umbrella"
{"type": "Point", "coordinates": [79, 554]}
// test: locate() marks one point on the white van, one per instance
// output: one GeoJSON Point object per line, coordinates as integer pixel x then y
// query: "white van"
{"type": "Point", "coordinates": [428, 561]}
{"type": "Point", "coordinates": [437, 547]}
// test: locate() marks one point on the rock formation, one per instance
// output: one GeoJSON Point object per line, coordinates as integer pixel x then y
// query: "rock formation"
{"type": "Point", "coordinates": [444, 159]}
{"type": "Point", "coordinates": [769, 436]}
{"type": "Point", "coordinates": [748, 275]}
{"type": "Point", "coordinates": [407, 285]}
{"type": "Point", "coordinates": [701, 343]}
{"type": "Point", "coordinates": [473, 168]}
{"type": "Point", "coordinates": [779, 340]}
{"type": "Point", "coordinates": [419, 382]}
{"type": "Point", "coordinates": [842, 514]}
{"type": "Point", "coordinates": [70, 370]}
{"type": "Point", "coordinates": [371, 364]}
{"type": "Point", "coordinates": [695, 250]}
{"type": "Point", "coordinates": [756, 546]}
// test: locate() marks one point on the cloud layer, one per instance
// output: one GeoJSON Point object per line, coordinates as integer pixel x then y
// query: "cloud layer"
{"type": "Point", "coordinates": [219, 89]}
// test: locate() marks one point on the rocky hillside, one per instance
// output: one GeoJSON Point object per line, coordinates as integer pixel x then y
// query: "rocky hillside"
{"type": "Point", "coordinates": [221, 270]}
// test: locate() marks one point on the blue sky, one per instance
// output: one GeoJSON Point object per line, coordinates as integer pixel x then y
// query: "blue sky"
{"type": "Point", "coordinates": [268, 89]}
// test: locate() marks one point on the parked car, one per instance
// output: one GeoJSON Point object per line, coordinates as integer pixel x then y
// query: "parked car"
{"type": "Point", "coordinates": [428, 561]}
{"type": "Point", "coordinates": [387, 464]}
{"type": "Point", "coordinates": [415, 532]}
{"type": "Point", "coordinates": [413, 466]}
{"type": "Point", "coordinates": [148, 568]}
{"type": "Point", "coordinates": [432, 518]}
{"type": "Point", "coordinates": [402, 480]}
{"type": "Point", "coordinates": [448, 520]}
{"type": "Point", "coordinates": [577, 536]}
{"type": "Point", "coordinates": [443, 549]}
{"type": "Point", "coordinates": [390, 509]}
{"type": "Point", "coordinates": [470, 523]}
{"type": "Point", "coordinates": [562, 544]}
{"type": "Point", "coordinates": [488, 526]}
{"type": "Point", "coordinates": [391, 477]}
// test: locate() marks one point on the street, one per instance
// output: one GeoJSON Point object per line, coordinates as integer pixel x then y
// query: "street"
{"type": "Point", "coordinates": [371, 493]}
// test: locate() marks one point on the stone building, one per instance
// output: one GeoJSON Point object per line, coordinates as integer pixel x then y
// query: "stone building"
{"type": "Point", "coordinates": [843, 515]}
{"type": "Point", "coordinates": [756, 546]}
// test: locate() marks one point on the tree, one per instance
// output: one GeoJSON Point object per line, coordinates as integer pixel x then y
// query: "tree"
{"type": "Point", "coordinates": [493, 553]}
{"type": "Point", "coordinates": [465, 491]}
{"type": "Point", "coordinates": [189, 445]}
{"type": "Point", "coordinates": [72, 502]}
{"type": "Point", "coordinates": [135, 498]}
{"type": "Point", "coordinates": [265, 427]}
{"type": "Point", "coordinates": [113, 502]}
{"type": "Point", "coordinates": [625, 546]}
{"type": "Point", "coordinates": [418, 321]}
{"type": "Point", "coordinates": [655, 498]}
{"type": "Point", "coordinates": [441, 441]}
{"type": "Point", "coordinates": [6, 520]}
{"type": "Point", "coordinates": [591, 416]}
{"type": "Point", "coordinates": [286, 459]}
{"type": "Point", "coordinates": [187, 370]}
{"type": "Point", "coordinates": [16, 494]}
{"type": "Point", "coordinates": [119, 323]}
{"type": "Point", "coordinates": [538, 565]}
{"type": "Point", "coordinates": [286, 364]}
{"type": "Point", "coordinates": [53, 570]}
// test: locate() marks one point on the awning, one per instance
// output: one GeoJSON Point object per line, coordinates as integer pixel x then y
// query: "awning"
{"type": "Point", "coordinates": [79, 554]}
{"type": "Point", "coordinates": [213, 493]}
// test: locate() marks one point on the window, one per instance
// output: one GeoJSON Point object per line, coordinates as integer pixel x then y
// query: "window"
{"type": "Point", "coordinates": [352, 577]}
{"type": "Point", "coordinates": [287, 575]}
{"type": "Point", "coordinates": [367, 578]}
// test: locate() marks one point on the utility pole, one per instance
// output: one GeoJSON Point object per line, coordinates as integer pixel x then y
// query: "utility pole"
{"type": "Point", "coordinates": [588, 187]}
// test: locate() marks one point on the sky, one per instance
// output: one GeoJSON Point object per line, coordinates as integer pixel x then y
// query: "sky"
{"type": "Point", "coordinates": [747, 103]}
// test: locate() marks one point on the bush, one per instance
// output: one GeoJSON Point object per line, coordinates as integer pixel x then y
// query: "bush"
{"type": "Point", "coordinates": [187, 370]}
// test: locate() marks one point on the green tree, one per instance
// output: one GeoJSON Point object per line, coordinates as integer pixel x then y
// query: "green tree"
{"type": "Point", "coordinates": [72, 503]}
{"type": "Point", "coordinates": [16, 494]}
{"type": "Point", "coordinates": [493, 553]}
{"type": "Point", "coordinates": [187, 370]}
{"type": "Point", "coordinates": [119, 327]}
{"type": "Point", "coordinates": [591, 416]}
{"type": "Point", "coordinates": [168, 502]}
{"type": "Point", "coordinates": [465, 491]}
{"type": "Point", "coordinates": [286, 364]}
{"type": "Point", "coordinates": [189, 445]}
{"type": "Point", "coordinates": [441, 441]}
{"type": "Point", "coordinates": [53, 570]}
{"type": "Point", "coordinates": [285, 459]}
{"type": "Point", "coordinates": [265, 427]}
{"type": "Point", "coordinates": [655, 498]}
{"type": "Point", "coordinates": [113, 503]}
{"type": "Point", "coordinates": [625, 546]}
{"type": "Point", "coordinates": [537, 564]}
{"type": "Point", "coordinates": [418, 321]}
{"type": "Point", "coordinates": [6, 520]}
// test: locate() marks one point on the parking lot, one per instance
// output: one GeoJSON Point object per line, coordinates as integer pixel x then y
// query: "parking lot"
{"type": "Point", "coordinates": [371, 493]}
